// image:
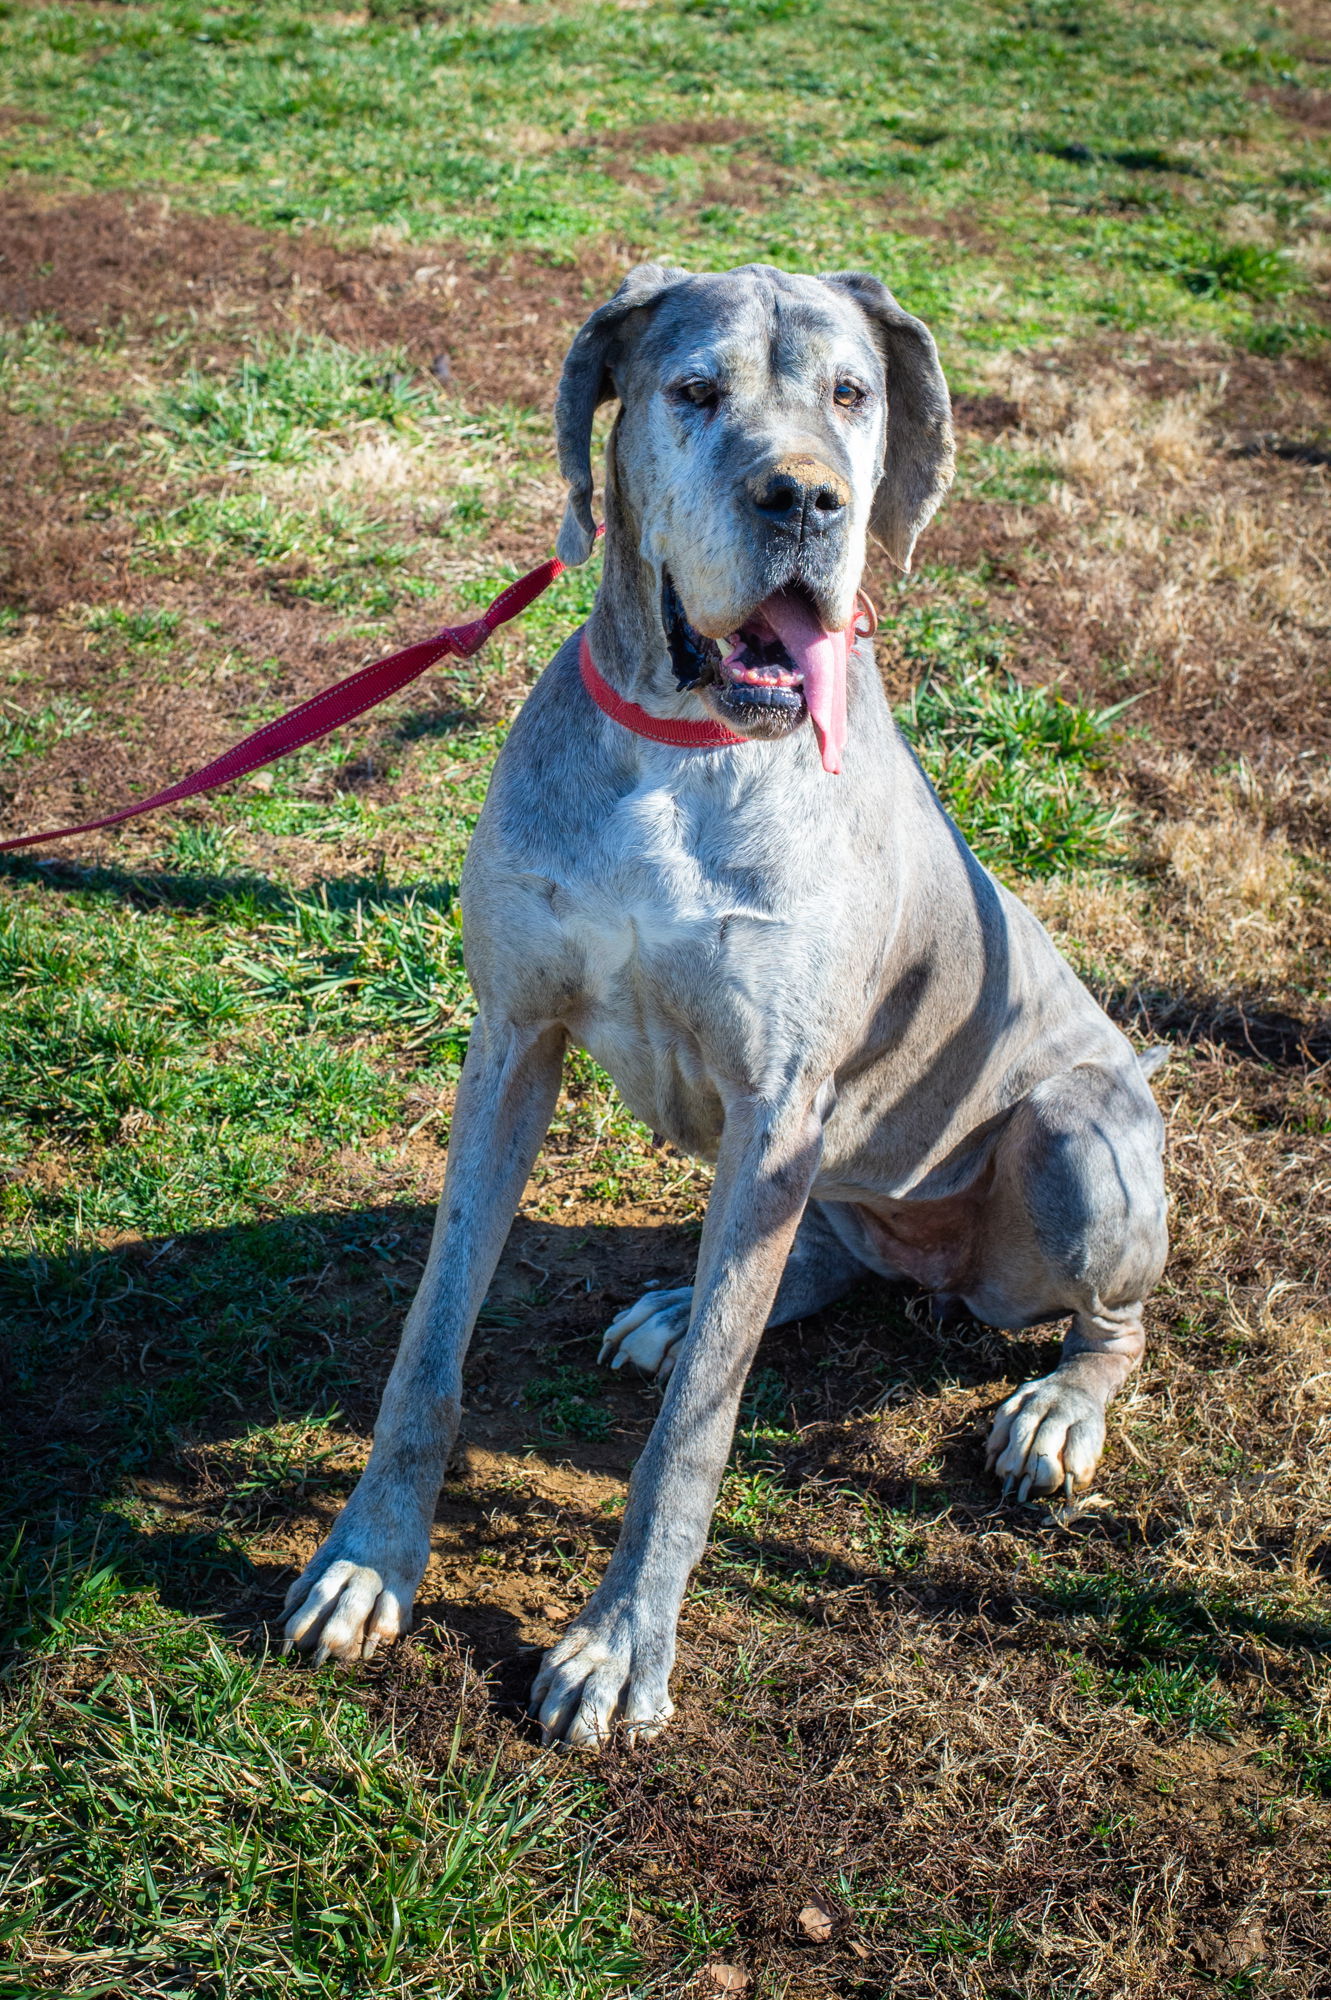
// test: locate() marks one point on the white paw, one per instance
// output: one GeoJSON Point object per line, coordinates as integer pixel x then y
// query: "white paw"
{"type": "Point", "coordinates": [649, 1333]}
{"type": "Point", "coordinates": [343, 1608]}
{"type": "Point", "coordinates": [1049, 1435]}
{"type": "Point", "coordinates": [606, 1668]}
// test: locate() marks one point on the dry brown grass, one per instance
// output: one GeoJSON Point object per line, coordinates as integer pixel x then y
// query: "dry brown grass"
{"type": "Point", "coordinates": [1181, 555]}
{"type": "Point", "coordinates": [1223, 907]}
{"type": "Point", "coordinates": [101, 266]}
{"type": "Point", "coordinates": [1203, 566]}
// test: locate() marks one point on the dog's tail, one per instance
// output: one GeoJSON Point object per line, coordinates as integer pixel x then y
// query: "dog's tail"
{"type": "Point", "coordinates": [1150, 1060]}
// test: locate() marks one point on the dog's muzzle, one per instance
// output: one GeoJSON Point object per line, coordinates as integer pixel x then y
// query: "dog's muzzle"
{"type": "Point", "coordinates": [779, 667]}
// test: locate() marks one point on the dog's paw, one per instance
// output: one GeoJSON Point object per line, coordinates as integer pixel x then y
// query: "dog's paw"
{"type": "Point", "coordinates": [609, 1667]}
{"type": "Point", "coordinates": [649, 1333]}
{"type": "Point", "coordinates": [349, 1601]}
{"type": "Point", "coordinates": [1049, 1436]}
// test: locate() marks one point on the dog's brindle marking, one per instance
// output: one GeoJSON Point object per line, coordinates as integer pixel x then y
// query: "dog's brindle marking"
{"type": "Point", "coordinates": [808, 979]}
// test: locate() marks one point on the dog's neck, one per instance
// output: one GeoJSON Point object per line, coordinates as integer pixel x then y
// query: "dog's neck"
{"type": "Point", "coordinates": [625, 632]}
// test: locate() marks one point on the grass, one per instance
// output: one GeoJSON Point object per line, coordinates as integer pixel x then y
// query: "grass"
{"type": "Point", "coordinates": [567, 1403]}
{"type": "Point", "coordinates": [1101, 151]}
{"type": "Point", "coordinates": [283, 403]}
{"type": "Point", "coordinates": [147, 630]}
{"type": "Point", "coordinates": [334, 554]}
{"type": "Point", "coordinates": [1013, 1754]}
{"type": "Point", "coordinates": [189, 1826]}
{"type": "Point", "coordinates": [1011, 763]}
{"type": "Point", "coordinates": [22, 732]}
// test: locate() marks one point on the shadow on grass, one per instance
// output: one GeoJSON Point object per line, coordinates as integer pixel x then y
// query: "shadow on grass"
{"type": "Point", "coordinates": [148, 1386]}
{"type": "Point", "coordinates": [122, 1365]}
{"type": "Point", "coordinates": [125, 1368]}
{"type": "Point", "coordinates": [1263, 1035]}
{"type": "Point", "coordinates": [1274, 1039]}
{"type": "Point", "coordinates": [427, 724]}
{"type": "Point", "coordinates": [241, 893]}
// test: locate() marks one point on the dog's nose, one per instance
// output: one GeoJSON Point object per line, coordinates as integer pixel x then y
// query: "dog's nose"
{"type": "Point", "coordinates": [801, 495]}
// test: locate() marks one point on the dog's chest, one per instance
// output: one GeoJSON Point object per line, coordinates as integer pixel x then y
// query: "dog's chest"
{"type": "Point", "coordinates": [661, 911]}
{"type": "Point", "coordinates": [690, 955]}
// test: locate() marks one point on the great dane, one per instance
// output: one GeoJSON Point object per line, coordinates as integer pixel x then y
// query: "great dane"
{"type": "Point", "coordinates": [770, 933]}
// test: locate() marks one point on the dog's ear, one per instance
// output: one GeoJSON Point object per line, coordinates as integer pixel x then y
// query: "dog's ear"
{"type": "Point", "coordinates": [585, 384]}
{"type": "Point", "coordinates": [919, 454]}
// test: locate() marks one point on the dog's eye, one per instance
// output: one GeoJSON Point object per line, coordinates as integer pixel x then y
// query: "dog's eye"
{"type": "Point", "coordinates": [847, 395]}
{"type": "Point", "coordinates": [703, 395]}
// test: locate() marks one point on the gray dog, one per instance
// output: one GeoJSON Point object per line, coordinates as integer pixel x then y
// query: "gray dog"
{"type": "Point", "coordinates": [709, 858]}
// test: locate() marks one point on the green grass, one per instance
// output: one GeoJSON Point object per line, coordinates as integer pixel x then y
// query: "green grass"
{"type": "Point", "coordinates": [1163, 1652]}
{"type": "Point", "coordinates": [142, 631]}
{"type": "Point", "coordinates": [302, 407]}
{"type": "Point", "coordinates": [24, 731]}
{"type": "Point", "coordinates": [332, 554]}
{"type": "Point", "coordinates": [282, 403]}
{"type": "Point", "coordinates": [131, 1041]}
{"type": "Point", "coordinates": [191, 1821]}
{"type": "Point", "coordinates": [180, 1810]}
{"type": "Point", "coordinates": [976, 1941]}
{"type": "Point", "coordinates": [568, 1403]}
{"type": "Point", "coordinates": [1100, 150]}
{"type": "Point", "coordinates": [1014, 765]}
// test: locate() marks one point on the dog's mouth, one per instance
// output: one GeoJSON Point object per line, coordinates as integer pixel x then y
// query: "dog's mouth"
{"type": "Point", "coordinates": [779, 667]}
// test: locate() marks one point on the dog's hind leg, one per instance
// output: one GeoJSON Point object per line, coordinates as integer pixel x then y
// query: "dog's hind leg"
{"type": "Point", "coordinates": [358, 1588]}
{"type": "Point", "coordinates": [819, 1271]}
{"type": "Point", "coordinates": [1075, 1223]}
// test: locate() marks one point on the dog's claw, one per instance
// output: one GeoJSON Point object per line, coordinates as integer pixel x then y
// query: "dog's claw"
{"type": "Point", "coordinates": [339, 1609]}
{"type": "Point", "coordinates": [1049, 1436]}
{"type": "Point", "coordinates": [602, 1670]}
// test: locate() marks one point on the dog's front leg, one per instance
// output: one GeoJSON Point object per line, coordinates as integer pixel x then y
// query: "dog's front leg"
{"type": "Point", "coordinates": [616, 1656]}
{"type": "Point", "coordinates": [358, 1588]}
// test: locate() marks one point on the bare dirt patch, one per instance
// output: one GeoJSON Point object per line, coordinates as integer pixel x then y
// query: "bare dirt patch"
{"type": "Point", "coordinates": [1308, 25]}
{"type": "Point", "coordinates": [56, 545]}
{"type": "Point", "coordinates": [673, 136]}
{"type": "Point", "coordinates": [1304, 106]}
{"type": "Point", "coordinates": [99, 264]}
{"type": "Point", "coordinates": [955, 228]}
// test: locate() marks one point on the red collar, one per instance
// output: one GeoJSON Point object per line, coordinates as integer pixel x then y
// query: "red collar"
{"type": "Point", "coordinates": [657, 728]}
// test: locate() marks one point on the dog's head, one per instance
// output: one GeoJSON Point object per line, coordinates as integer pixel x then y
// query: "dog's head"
{"type": "Point", "coordinates": [767, 423]}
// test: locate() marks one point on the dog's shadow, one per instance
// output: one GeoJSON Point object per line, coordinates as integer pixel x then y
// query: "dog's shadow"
{"type": "Point", "coordinates": [168, 1398]}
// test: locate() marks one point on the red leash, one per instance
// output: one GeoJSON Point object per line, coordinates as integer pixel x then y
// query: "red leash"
{"type": "Point", "coordinates": [323, 712]}
{"type": "Point", "coordinates": [347, 699]}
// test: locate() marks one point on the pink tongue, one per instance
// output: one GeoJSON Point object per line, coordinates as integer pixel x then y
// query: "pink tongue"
{"type": "Point", "coordinates": [821, 658]}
